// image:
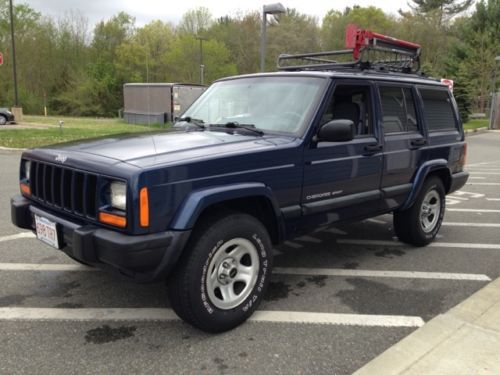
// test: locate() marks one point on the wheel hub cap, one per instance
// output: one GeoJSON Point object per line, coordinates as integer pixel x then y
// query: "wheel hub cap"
{"type": "Point", "coordinates": [232, 273]}
{"type": "Point", "coordinates": [430, 211]}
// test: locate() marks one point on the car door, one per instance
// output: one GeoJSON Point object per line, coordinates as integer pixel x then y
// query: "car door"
{"type": "Point", "coordinates": [403, 140]}
{"type": "Point", "coordinates": [342, 179]}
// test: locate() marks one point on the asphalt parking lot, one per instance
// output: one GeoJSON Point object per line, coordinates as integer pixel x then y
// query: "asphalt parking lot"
{"type": "Point", "coordinates": [339, 297]}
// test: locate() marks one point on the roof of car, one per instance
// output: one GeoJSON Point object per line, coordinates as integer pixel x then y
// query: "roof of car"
{"type": "Point", "coordinates": [349, 74]}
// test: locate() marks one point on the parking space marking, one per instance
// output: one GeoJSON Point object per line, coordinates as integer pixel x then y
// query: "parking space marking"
{"type": "Point", "coordinates": [44, 267]}
{"type": "Point", "coordinates": [485, 211]}
{"type": "Point", "coordinates": [485, 225]}
{"type": "Point", "coordinates": [484, 183]}
{"type": "Point", "coordinates": [432, 244]}
{"type": "Point", "coordinates": [376, 221]}
{"type": "Point", "coordinates": [163, 314]}
{"type": "Point", "coordinates": [493, 199]}
{"type": "Point", "coordinates": [488, 173]}
{"type": "Point", "coordinates": [308, 239]}
{"type": "Point", "coordinates": [376, 273]}
{"type": "Point", "coordinates": [17, 236]}
{"type": "Point", "coordinates": [477, 178]}
{"type": "Point", "coordinates": [336, 231]}
{"type": "Point", "coordinates": [293, 245]}
{"type": "Point", "coordinates": [276, 270]}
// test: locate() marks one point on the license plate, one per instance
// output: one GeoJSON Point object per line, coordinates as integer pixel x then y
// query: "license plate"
{"type": "Point", "coordinates": [46, 231]}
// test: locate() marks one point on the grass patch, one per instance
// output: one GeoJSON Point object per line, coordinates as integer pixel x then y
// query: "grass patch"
{"type": "Point", "coordinates": [45, 130]}
{"type": "Point", "coordinates": [478, 123]}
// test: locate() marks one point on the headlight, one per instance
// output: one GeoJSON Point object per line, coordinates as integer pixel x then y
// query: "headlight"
{"type": "Point", "coordinates": [26, 169]}
{"type": "Point", "coordinates": [117, 195]}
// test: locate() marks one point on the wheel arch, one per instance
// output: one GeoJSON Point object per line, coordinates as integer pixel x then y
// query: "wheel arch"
{"type": "Point", "coordinates": [438, 168]}
{"type": "Point", "coordinates": [255, 199]}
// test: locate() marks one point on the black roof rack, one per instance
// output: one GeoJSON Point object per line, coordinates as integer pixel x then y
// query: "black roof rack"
{"type": "Point", "coordinates": [365, 50]}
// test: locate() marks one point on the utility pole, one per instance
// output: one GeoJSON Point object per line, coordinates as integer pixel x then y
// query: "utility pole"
{"type": "Point", "coordinates": [14, 71]}
{"type": "Point", "coordinates": [202, 66]}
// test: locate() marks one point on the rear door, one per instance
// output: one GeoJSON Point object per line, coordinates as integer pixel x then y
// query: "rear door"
{"type": "Point", "coordinates": [342, 179]}
{"type": "Point", "coordinates": [403, 141]}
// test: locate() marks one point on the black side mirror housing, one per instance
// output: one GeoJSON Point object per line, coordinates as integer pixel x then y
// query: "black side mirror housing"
{"type": "Point", "coordinates": [337, 131]}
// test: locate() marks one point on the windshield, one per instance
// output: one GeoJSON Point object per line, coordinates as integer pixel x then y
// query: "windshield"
{"type": "Point", "coordinates": [276, 104]}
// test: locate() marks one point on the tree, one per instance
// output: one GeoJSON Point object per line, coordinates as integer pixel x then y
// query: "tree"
{"type": "Point", "coordinates": [183, 61]}
{"type": "Point", "coordinates": [195, 21]}
{"type": "Point", "coordinates": [335, 22]}
{"type": "Point", "coordinates": [294, 33]}
{"type": "Point", "coordinates": [446, 9]}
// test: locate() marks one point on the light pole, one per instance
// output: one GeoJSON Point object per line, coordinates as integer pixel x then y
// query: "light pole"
{"type": "Point", "coordinates": [494, 95]}
{"type": "Point", "coordinates": [202, 67]}
{"type": "Point", "coordinates": [14, 71]}
{"type": "Point", "coordinates": [273, 9]}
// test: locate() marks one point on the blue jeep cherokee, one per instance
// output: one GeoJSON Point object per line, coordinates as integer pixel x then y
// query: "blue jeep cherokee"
{"type": "Point", "coordinates": [257, 159]}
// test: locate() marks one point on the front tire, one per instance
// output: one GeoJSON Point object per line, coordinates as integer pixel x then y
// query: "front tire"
{"type": "Point", "coordinates": [223, 274]}
{"type": "Point", "coordinates": [419, 224]}
{"type": "Point", "coordinates": [3, 120]}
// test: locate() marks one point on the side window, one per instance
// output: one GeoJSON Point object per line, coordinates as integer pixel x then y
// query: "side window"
{"type": "Point", "coordinates": [398, 110]}
{"type": "Point", "coordinates": [438, 110]}
{"type": "Point", "coordinates": [351, 102]}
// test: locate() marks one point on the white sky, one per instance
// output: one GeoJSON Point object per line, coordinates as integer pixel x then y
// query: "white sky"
{"type": "Point", "coordinates": [172, 11]}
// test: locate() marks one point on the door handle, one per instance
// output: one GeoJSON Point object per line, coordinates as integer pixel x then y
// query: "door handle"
{"type": "Point", "coordinates": [418, 142]}
{"type": "Point", "coordinates": [373, 148]}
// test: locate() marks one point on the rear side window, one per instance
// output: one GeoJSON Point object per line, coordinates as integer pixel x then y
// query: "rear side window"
{"type": "Point", "coordinates": [398, 110]}
{"type": "Point", "coordinates": [438, 110]}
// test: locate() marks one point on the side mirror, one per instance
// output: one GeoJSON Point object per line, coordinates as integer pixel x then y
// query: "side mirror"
{"type": "Point", "coordinates": [337, 131]}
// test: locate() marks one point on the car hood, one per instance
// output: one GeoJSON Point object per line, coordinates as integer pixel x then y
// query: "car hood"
{"type": "Point", "coordinates": [170, 147]}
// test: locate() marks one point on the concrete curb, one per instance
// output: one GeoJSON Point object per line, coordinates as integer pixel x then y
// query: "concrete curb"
{"type": "Point", "coordinates": [464, 340]}
{"type": "Point", "coordinates": [12, 149]}
{"type": "Point", "coordinates": [476, 131]}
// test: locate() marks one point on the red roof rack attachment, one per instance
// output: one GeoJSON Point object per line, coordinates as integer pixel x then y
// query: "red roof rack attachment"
{"type": "Point", "coordinates": [365, 50]}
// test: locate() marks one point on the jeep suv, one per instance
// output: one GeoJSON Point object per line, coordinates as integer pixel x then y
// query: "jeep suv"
{"type": "Point", "coordinates": [256, 160]}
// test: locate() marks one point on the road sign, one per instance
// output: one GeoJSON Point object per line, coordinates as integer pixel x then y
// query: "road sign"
{"type": "Point", "coordinates": [1, 58]}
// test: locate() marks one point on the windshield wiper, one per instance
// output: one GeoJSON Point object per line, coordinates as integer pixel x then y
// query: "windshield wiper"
{"type": "Point", "coordinates": [237, 125]}
{"type": "Point", "coordinates": [199, 123]}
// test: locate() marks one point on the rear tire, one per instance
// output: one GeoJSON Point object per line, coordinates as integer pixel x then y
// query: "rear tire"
{"type": "Point", "coordinates": [223, 274]}
{"type": "Point", "coordinates": [419, 224]}
{"type": "Point", "coordinates": [3, 120]}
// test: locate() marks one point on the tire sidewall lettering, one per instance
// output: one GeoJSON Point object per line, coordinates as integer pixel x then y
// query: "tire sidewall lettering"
{"type": "Point", "coordinates": [246, 305]}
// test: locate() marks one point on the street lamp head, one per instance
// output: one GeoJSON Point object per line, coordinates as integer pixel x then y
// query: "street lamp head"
{"type": "Point", "coordinates": [276, 8]}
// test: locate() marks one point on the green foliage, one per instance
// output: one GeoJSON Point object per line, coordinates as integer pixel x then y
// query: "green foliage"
{"type": "Point", "coordinates": [77, 71]}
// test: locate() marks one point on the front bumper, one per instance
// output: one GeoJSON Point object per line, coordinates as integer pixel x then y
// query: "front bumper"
{"type": "Point", "coordinates": [145, 258]}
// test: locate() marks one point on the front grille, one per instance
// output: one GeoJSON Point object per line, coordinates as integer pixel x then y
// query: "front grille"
{"type": "Point", "coordinates": [64, 188]}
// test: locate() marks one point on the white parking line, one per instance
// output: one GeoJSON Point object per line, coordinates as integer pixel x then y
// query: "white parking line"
{"type": "Point", "coordinates": [493, 199]}
{"type": "Point", "coordinates": [484, 183]}
{"type": "Point", "coordinates": [488, 173]}
{"type": "Point", "coordinates": [480, 225]}
{"type": "Point", "coordinates": [377, 273]}
{"type": "Point", "coordinates": [44, 267]}
{"type": "Point", "coordinates": [432, 244]}
{"type": "Point", "coordinates": [276, 270]}
{"type": "Point", "coordinates": [486, 211]}
{"type": "Point", "coordinates": [336, 231]}
{"type": "Point", "coordinates": [477, 178]}
{"type": "Point", "coordinates": [17, 236]}
{"type": "Point", "coordinates": [159, 314]}
{"type": "Point", "coordinates": [376, 221]}
{"type": "Point", "coordinates": [293, 245]}
{"type": "Point", "coordinates": [308, 239]}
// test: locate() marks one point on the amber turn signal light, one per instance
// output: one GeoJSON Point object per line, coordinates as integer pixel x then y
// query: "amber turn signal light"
{"type": "Point", "coordinates": [144, 207]}
{"type": "Point", "coordinates": [111, 219]}
{"type": "Point", "coordinates": [25, 189]}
